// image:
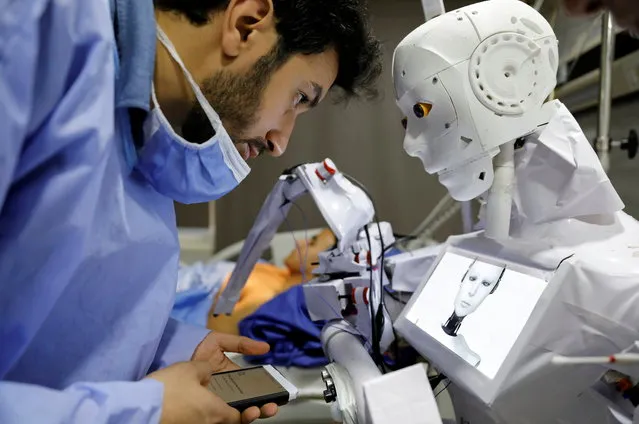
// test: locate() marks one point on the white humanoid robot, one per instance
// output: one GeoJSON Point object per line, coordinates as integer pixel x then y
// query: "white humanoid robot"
{"type": "Point", "coordinates": [473, 85]}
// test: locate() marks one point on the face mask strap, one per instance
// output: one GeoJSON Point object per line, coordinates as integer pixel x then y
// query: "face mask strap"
{"type": "Point", "coordinates": [231, 156]}
{"type": "Point", "coordinates": [164, 39]}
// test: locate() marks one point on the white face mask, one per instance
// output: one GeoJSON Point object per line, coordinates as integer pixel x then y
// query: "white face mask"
{"type": "Point", "coordinates": [183, 171]}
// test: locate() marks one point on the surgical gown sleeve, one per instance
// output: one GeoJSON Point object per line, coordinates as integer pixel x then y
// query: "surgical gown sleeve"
{"type": "Point", "coordinates": [48, 47]}
{"type": "Point", "coordinates": [103, 403]}
{"type": "Point", "coordinates": [178, 343]}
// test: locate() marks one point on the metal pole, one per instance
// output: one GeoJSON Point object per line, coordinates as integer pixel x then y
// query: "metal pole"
{"type": "Point", "coordinates": [602, 144]}
{"type": "Point", "coordinates": [467, 216]}
{"type": "Point", "coordinates": [433, 8]}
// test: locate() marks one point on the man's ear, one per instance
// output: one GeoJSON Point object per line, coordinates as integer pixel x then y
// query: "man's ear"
{"type": "Point", "coordinates": [242, 21]}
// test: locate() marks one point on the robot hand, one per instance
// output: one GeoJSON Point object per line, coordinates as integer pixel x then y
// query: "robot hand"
{"type": "Point", "coordinates": [350, 283]}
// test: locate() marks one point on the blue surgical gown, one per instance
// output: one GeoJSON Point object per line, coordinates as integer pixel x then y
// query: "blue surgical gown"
{"type": "Point", "coordinates": [88, 250]}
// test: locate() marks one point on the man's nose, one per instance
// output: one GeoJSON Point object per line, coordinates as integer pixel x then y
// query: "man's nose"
{"type": "Point", "coordinates": [278, 138]}
{"type": "Point", "coordinates": [583, 7]}
{"type": "Point", "coordinates": [473, 290]}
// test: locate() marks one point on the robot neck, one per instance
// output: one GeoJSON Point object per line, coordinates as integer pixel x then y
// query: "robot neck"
{"type": "Point", "coordinates": [555, 178]}
{"type": "Point", "coordinates": [452, 325]}
{"type": "Point", "coordinates": [500, 196]}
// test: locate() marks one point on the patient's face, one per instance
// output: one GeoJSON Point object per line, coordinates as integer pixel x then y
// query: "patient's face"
{"type": "Point", "coordinates": [479, 282]}
{"type": "Point", "coordinates": [310, 250]}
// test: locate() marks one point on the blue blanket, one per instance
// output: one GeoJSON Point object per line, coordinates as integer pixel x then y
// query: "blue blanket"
{"type": "Point", "coordinates": [284, 323]}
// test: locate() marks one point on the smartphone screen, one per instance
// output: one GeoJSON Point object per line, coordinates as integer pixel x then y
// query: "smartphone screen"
{"type": "Point", "coordinates": [249, 387]}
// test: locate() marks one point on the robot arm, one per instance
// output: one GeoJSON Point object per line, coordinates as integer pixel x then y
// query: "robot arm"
{"type": "Point", "coordinates": [287, 189]}
{"type": "Point", "coordinates": [345, 207]}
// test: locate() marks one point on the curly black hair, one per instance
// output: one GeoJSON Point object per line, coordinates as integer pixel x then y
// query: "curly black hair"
{"type": "Point", "coordinates": [311, 27]}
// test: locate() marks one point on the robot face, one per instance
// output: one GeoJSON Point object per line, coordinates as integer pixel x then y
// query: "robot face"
{"type": "Point", "coordinates": [480, 281]}
{"type": "Point", "coordinates": [433, 135]}
{"type": "Point", "coordinates": [431, 125]}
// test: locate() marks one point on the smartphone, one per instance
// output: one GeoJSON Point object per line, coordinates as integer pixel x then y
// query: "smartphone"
{"type": "Point", "coordinates": [255, 386]}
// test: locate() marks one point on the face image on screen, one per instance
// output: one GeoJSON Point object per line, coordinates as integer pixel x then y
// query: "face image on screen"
{"type": "Point", "coordinates": [476, 309]}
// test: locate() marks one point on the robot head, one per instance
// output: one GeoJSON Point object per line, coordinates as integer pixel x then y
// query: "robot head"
{"type": "Point", "coordinates": [480, 280]}
{"type": "Point", "coordinates": [469, 81]}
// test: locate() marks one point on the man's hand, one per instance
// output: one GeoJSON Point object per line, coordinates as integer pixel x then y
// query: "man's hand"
{"type": "Point", "coordinates": [212, 349]}
{"type": "Point", "coordinates": [187, 400]}
{"type": "Point", "coordinates": [214, 345]}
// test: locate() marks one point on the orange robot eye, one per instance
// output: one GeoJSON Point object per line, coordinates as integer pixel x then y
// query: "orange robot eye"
{"type": "Point", "coordinates": [422, 109]}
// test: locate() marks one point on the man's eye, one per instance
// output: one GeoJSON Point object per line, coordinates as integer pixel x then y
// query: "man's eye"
{"type": "Point", "coordinates": [486, 283]}
{"type": "Point", "coordinates": [472, 278]}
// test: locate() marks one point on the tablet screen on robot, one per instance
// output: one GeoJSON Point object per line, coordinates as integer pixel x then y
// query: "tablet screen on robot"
{"type": "Point", "coordinates": [476, 308]}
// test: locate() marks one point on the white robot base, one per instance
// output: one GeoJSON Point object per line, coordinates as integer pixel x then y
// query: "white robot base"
{"type": "Point", "coordinates": [574, 300]}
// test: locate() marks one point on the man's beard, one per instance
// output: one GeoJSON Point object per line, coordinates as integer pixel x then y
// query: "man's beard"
{"type": "Point", "coordinates": [237, 99]}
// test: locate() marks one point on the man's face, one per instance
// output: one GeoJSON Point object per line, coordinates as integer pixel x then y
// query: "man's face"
{"type": "Point", "coordinates": [625, 12]}
{"type": "Point", "coordinates": [478, 283]}
{"type": "Point", "coordinates": [259, 108]}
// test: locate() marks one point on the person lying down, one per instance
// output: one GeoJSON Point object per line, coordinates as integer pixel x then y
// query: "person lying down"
{"type": "Point", "coordinates": [266, 281]}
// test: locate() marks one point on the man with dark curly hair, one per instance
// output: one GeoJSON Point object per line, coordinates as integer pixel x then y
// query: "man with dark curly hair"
{"type": "Point", "coordinates": [109, 112]}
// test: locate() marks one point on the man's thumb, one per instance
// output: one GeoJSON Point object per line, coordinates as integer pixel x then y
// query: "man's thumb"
{"type": "Point", "coordinates": [203, 370]}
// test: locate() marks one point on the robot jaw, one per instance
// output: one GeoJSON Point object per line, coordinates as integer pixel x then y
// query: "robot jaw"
{"type": "Point", "coordinates": [468, 181]}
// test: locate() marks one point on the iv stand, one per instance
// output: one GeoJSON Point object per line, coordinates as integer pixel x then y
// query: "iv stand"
{"type": "Point", "coordinates": [602, 144]}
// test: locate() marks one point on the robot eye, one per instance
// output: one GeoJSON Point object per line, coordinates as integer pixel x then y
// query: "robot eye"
{"type": "Point", "coordinates": [422, 110]}
{"type": "Point", "coordinates": [486, 283]}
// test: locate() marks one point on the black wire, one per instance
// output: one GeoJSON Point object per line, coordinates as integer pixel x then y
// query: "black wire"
{"type": "Point", "coordinates": [377, 355]}
{"type": "Point", "coordinates": [377, 317]}
{"type": "Point", "coordinates": [399, 240]}
{"type": "Point", "coordinates": [442, 390]}
{"type": "Point", "coordinates": [382, 304]}
{"type": "Point", "coordinates": [436, 379]}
